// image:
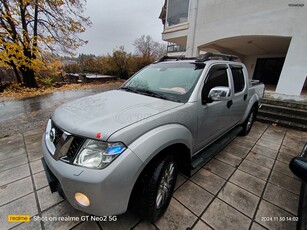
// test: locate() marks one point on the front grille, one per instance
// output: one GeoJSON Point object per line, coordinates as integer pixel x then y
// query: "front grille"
{"type": "Point", "coordinates": [58, 135]}
{"type": "Point", "coordinates": [66, 145]}
{"type": "Point", "coordinates": [73, 149]}
{"type": "Point", "coordinates": [75, 146]}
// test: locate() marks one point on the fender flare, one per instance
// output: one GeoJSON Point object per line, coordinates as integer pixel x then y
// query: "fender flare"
{"type": "Point", "coordinates": [252, 101]}
{"type": "Point", "coordinates": [153, 142]}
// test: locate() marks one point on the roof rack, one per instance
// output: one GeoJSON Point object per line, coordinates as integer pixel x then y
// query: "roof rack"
{"type": "Point", "coordinates": [205, 57]}
{"type": "Point", "coordinates": [168, 58]}
{"type": "Point", "coordinates": [209, 56]}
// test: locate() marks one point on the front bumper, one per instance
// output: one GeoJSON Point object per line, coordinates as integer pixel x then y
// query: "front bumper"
{"type": "Point", "coordinates": [52, 180]}
{"type": "Point", "coordinates": [108, 189]}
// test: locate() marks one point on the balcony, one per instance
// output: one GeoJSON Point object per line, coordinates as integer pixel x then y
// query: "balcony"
{"type": "Point", "coordinates": [176, 21]}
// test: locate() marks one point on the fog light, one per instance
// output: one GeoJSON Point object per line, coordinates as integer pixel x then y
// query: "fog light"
{"type": "Point", "coordinates": [82, 199]}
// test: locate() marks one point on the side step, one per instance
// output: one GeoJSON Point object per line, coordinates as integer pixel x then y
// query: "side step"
{"type": "Point", "coordinates": [206, 154]}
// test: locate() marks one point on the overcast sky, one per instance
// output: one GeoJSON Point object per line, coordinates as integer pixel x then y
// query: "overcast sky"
{"type": "Point", "coordinates": [120, 22]}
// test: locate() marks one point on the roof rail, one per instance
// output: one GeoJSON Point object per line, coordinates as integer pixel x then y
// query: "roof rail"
{"type": "Point", "coordinates": [168, 58]}
{"type": "Point", "coordinates": [164, 58]}
{"type": "Point", "coordinates": [209, 56]}
{"type": "Point", "coordinates": [205, 57]}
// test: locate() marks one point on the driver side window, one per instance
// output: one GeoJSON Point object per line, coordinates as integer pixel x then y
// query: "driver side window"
{"type": "Point", "coordinates": [217, 77]}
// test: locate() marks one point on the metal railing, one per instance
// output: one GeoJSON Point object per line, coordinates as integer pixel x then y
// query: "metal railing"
{"type": "Point", "coordinates": [173, 48]}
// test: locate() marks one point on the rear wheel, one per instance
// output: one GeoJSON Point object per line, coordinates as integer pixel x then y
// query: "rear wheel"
{"type": "Point", "coordinates": [248, 123]}
{"type": "Point", "coordinates": [159, 187]}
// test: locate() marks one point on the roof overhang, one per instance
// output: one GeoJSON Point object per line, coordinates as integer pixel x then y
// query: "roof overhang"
{"type": "Point", "coordinates": [249, 45]}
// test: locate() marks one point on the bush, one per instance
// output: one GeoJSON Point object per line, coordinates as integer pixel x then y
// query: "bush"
{"type": "Point", "coordinates": [120, 63]}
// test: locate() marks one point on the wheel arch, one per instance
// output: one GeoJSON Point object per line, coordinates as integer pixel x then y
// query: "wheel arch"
{"type": "Point", "coordinates": [182, 155]}
{"type": "Point", "coordinates": [173, 139]}
{"type": "Point", "coordinates": [253, 102]}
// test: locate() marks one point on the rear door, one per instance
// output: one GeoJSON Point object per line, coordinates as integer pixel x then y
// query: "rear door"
{"type": "Point", "coordinates": [240, 92]}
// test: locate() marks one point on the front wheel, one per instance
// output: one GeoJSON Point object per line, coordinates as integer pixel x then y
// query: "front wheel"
{"type": "Point", "coordinates": [248, 123]}
{"type": "Point", "coordinates": [159, 188]}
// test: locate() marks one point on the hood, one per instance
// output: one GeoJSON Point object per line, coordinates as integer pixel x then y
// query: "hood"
{"type": "Point", "coordinates": [102, 114]}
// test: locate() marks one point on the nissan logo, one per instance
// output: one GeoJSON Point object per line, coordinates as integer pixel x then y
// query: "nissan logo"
{"type": "Point", "coordinates": [52, 135]}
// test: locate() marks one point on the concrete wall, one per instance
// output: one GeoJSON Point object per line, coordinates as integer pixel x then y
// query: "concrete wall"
{"type": "Point", "coordinates": [217, 19]}
{"type": "Point", "coordinates": [213, 20]}
{"type": "Point", "coordinates": [294, 71]}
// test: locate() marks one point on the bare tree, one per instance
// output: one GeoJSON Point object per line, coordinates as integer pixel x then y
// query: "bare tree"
{"type": "Point", "coordinates": [146, 47]}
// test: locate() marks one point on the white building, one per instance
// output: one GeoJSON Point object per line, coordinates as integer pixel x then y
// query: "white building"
{"type": "Point", "coordinates": [270, 37]}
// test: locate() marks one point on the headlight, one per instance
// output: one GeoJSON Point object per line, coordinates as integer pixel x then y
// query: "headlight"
{"type": "Point", "coordinates": [98, 154]}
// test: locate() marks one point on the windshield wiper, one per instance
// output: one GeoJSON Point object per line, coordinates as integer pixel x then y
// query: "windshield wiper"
{"type": "Point", "coordinates": [144, 92]}
{"type": "Point", "coordinates": [129, 89]}
{"type": "Point", "coordinates": [153, 94]}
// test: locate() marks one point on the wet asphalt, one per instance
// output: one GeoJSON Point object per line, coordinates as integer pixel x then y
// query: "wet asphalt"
{"type": "Point", "coordinates": [30, 113]}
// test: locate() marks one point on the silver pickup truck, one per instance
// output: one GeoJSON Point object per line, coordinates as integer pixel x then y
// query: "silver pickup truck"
{"type": "Point", "coordinates": [126, 146]}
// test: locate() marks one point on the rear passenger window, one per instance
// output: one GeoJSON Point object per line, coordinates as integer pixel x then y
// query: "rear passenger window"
{"type": "Point", "coordinates": [238, 79]}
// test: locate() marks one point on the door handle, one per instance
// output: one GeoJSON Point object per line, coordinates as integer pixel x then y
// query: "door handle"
{"type": "Point", "coordinates": [229, 104]}
{"type": "Point", "coordinates": [244, 97]}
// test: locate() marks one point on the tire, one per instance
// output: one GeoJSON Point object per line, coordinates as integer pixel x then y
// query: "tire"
{"type": "Point", "coordinates": [159, 188]}
{"type": "Point", "coordinates": [248, 123]}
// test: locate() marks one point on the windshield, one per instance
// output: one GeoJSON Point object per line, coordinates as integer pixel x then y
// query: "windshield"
{"type": "Point", "coordinates": [170, 81]}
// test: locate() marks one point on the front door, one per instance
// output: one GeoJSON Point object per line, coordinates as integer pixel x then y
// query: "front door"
{"type": "Point", "coordinates": [214, 118]}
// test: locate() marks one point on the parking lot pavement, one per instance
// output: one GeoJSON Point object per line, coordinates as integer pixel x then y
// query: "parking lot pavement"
{"type": "Point", "coordinates": [246, 186]}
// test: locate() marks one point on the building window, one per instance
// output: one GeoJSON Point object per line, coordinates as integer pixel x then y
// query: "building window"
{"type": "Point", "coordinates": [177, 12]}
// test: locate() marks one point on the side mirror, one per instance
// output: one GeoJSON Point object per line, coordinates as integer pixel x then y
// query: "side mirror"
{"type": "Point", "coordinates": [219, 93]}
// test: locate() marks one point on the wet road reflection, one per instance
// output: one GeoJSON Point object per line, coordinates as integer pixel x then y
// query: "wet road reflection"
{"type": "Point", "coordinates": [20, 115]}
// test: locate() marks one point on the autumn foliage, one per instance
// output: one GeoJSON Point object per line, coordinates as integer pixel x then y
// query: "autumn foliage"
{"type": "Point", "coordinates": [30, 30]}
{"type": "Point", "coordinates": [120, 63]}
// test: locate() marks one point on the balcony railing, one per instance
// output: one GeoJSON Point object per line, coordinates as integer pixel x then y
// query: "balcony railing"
{"type": "Point", "coordinates": [173, 48]}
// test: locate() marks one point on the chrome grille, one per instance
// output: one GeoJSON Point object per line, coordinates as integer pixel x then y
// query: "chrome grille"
{"type": "Point", "coordinates": [58, 134]}
{"type": "Point", "coordinates": [61, 144]}
{"type": "Point", "coordinates": [74, 149]}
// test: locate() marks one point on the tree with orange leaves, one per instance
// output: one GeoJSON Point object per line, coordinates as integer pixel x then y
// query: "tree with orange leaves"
{"type": "Point", "coordinates": [32, 29]}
